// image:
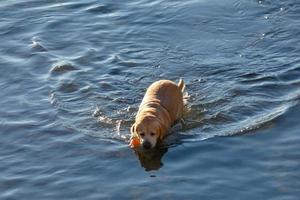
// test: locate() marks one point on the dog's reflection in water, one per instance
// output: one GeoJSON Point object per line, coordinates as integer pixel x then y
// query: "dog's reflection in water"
{"type": "Point", "coordinates": [151, 159]}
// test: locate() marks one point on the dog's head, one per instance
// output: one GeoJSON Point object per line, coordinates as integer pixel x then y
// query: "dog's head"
{"type": "Point", "coordinates": [149, 130]}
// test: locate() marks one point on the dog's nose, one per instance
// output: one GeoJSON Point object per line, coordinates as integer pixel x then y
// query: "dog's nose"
{"type": "Point", "coordinates": [146, 145]}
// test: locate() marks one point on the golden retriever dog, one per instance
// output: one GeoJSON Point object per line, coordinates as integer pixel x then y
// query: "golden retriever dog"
{"type": "Point", "coordinates": [161, 107]}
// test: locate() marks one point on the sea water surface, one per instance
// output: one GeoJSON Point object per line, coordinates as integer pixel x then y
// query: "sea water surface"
{"type": "Point", "coordinates": [73, 72]}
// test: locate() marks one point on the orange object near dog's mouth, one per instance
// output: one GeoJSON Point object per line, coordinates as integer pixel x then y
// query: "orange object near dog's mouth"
{"type": "Point", "coordinates": [135, 143]}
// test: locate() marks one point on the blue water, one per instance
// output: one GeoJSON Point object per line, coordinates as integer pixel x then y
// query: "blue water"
{"type": "Point", "coordinates": [72, 74]}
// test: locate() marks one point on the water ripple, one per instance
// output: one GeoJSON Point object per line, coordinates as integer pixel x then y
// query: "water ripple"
{"type": "Point", "coordinates": [62, 66]}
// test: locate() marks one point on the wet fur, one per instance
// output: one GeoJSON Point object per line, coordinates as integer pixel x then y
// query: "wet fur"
{"type": "Point", "coordinates": [161, 107]}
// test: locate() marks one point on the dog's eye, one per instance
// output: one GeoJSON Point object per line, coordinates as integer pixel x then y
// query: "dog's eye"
{"type": "Point", "coordinates": [142, 134]}
{"type": "Point", "coordinates": [152, 134]}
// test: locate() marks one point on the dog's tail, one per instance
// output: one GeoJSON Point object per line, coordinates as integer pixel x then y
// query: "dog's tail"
{"type": "Point", "coordinates": [181, 85]}
{"type": "Point", "coordinates": [185, 95]}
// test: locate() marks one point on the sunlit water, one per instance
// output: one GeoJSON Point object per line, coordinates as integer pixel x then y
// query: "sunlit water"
{"type": "Point", "coordinates": [72, 74]}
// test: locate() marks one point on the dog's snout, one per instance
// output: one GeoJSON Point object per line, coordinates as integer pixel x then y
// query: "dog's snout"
{"type": "Point", "coordinates": [147, 145]}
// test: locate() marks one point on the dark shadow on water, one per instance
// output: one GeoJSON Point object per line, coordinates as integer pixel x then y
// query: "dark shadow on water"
{"type": "Point", "coordinates": [151, 159]}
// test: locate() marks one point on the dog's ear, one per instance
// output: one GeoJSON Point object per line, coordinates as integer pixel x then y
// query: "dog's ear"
{"type": "Point", "coordinates": [133, 129]}
{"type": "Point", "coordinates": [162, 131]}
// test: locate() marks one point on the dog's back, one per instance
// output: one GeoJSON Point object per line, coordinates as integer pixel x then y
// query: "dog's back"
{"type": "Point", "coordinates": [169, 95]}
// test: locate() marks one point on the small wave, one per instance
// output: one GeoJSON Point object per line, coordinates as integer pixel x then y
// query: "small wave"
{"type": "Point", "coordinates": [102, 9]}
{"type": "Point", "coordinates": [62, 66]}
{"type": "Point", "coordinates": [102, 119]}
{"type": "Point", "coordinates": [259, 79]}
{"type": "Point", "coordinates": [289, 72]}
{"type": "Point", "coordinates": [117, 126]}
{"type": "Point", "coordinates": [241, 127]}
{"type": "Point", "coordinates": [68, 87]}
{"type": "Point", "coordinates": [258, 121]}
{"type": "Point", "coordinates": [36, 45]}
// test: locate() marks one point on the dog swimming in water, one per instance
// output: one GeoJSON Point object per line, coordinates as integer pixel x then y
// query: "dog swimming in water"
{"type": "Point", "coordinates": [161, 107]}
